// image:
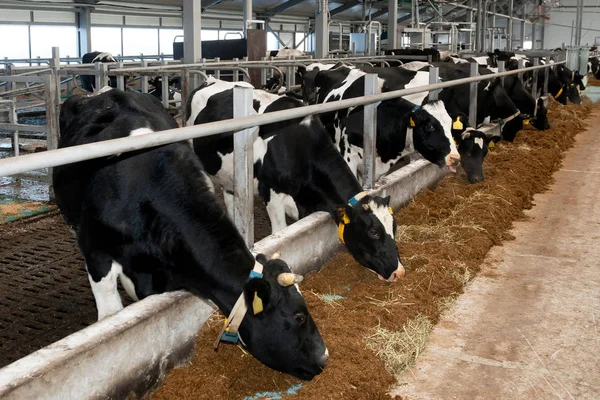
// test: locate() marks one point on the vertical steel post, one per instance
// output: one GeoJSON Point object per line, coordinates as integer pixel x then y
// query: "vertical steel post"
{"type": "Point", "coordinates": [523, 26]}
{"type": "Point", "coordinates": [165, 87]}
{"type": "Point", "coordinates": [52, 126]}
{"type": "Point", "coordinates": [533, 36]}
{"type": "Point", "coordinates": [13, 118]}
{"type": "Point", "coordinates": [144, 78]}
{"type": "Point", "coordinates": [501, 68]}
{"type": "Point", "coordinates": [263, 73]}
{"type": "Point", "coordinates": [247, 24]}
{"type": "Point", "coordinates": [291, 77]}
{"type": "Point", "coordinates": [370, 133]}
{"type": "Point", "coordinates": [521, 63]}
{"type": "Point", "coordinates": [185, 91]}
{"type": "Point", "coordinates": [55, 66]}
{"type": "Point", "coordinates": [433, 78]}
{"type": "Point", "coordinates": [236, 73]}
{"type": "Point", "coordinates": [534, 81]}
{"type": "Point", "coordinates": [100, 75]}
{"type": "Point", "coordinates": [473, 96]}
{"type": "Point", "coordinates": [392, 41]}
{"type": "Point", "coordinates": [546, 80]}
{"type": "Point", "coordinates": [243, 166]}
{"type": "Point", "coordinates": [192, 32]}
{"type": "Point", "coordinates": [120, 78]}
{"type": "Point", "coordinates": [322, 29]}
{"type": "Point", "coordinates": [510, 23]}
{"type": "Point", "coordinates": [218, 71]}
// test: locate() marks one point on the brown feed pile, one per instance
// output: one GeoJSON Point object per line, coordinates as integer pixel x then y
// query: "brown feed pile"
{"type": "Point", "coordinates": [443, 237]}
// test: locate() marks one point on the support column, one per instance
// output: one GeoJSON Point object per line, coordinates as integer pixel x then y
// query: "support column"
{"type": "Point", "coordinates": [479, 26]}
{"type": "Point", "coordinates": [84, 33]}
{"type": "Point", "coordinates": [247, 16]}
{"type": "Point", "coordinates": [192, 49]}
{"type": "Point", "coordinates": [523, 26]}
{"type": "Point", "coordinates": [578, 32]}
{"type": "Point", "coordinates": [392, 24]}
{"type": "Point", "coordinates": [533, 36]}
{"type": "Point", "coordinates": [322, 30]}
{"type": "Point", "coordinates": [192, 45]}
{"type": "Point", "coordinates": [509, 22]}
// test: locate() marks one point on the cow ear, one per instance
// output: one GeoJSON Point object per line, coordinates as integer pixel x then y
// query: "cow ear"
{"type": "Point", "coordinates": [386, 200]}
{"type": "Point", "coordinates": [257, 293]}
{"type": "Point", "coordinates": [261, 258]}
{"type": "Point", "coordinates": [301, 71]}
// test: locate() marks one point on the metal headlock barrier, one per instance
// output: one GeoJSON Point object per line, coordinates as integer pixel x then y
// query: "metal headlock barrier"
{"type": "Point", "coordinates": [242, 124]}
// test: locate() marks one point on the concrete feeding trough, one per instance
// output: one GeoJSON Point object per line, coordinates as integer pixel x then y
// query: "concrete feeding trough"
{"type": "Point", "coordinates": [131, 351]}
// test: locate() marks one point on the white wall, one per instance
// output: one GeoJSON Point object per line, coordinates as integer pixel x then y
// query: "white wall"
{"type": "Point", "coordinates": [558, 29]}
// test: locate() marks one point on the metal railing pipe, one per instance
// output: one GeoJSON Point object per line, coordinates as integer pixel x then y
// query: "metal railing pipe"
{"type": "Point", "coordinates": [473, 93]}
{"type": "Point", "coordinates": [12, 166]}
{"type": "Point", "coordinates": [370, 133]}
{"type": "Point", "coordinates": [243, 167]}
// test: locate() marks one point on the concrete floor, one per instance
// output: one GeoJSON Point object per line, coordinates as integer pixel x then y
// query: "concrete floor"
{"type": "Point", "coordinates": [528, 327]}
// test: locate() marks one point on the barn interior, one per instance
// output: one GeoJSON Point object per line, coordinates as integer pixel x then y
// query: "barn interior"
{"type": "Point", "coordinates": [416, 338]}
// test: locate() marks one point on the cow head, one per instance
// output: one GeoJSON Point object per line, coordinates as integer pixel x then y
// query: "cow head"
{"type": "Point", "coordinates": [473, 147]}
{"type": "Point", "coordinates": [367, 228]}
{"type": "Point", "coordinates": [278, 329]}
{"type": "Point", "coordinates": [432, 135]}
{"type": "Point", "coordinates": [496, 101]}
{"type": "Point", "coordinates": [540, 119]}
{"type": "Point", "coordinates": [309, 78]}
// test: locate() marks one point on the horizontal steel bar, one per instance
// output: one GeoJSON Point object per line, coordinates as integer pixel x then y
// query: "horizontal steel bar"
{"type": "Point", "coordinates": [22, 127]}
{"type": "Point", "coordinates": [106, 148]}
{"type": "Point", "coordinates": [20, 79]}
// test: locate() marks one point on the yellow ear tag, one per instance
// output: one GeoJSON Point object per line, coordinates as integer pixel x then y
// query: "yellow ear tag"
{"type": "Point", "coordinates": [412, 122]}
{"type": "Point", "coordinates": [257, 304]}
{"type": "Point", "coordinates": [526, 122]}
{"type": "Point", "coordinates": [457, 125]}
{"type": "Point", "coordinates": [390, 210]}
{"type": "Point", "coordinates": [341, 232]}
{"type": "Point", "coordinates": [491, 145]}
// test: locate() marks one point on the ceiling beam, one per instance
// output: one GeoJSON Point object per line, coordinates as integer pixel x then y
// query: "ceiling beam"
{"type": "Point", "coordinates": [282, 7]}
{"type": "Point", "coordinates": [343, 7]}
{"type": "Point", "coordinates": [408, 16]}
{"type": "Point", "coordinates": [379, 13]}
{"type": "Point", "coordinates": [209, 3]}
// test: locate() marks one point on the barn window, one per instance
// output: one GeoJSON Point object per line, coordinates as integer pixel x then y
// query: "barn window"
{"type": "Point", "coordinates": [44, 37]}
{"type": "Point", "coordinates": [18, 45]}
{"type": "Point", "coordinates": [140, 41]}
{"type": "Point", "coordinates": [106, 39]}
{"type": "Point", "coordinates": [166, 37]}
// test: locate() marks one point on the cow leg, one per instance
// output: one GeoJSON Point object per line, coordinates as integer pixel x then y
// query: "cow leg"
{"type": "Point", "coordinates": [276, 210]}
{"type": "Point", "coordinates": [103, 273]}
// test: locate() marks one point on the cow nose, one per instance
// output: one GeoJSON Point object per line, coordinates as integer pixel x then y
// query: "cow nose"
{"type": "Point", "coordinates": [454, 160]}
{"type": "Point", "coordinates": [476, 178]}
{"type": "Point", "coordinates": [397, 274]}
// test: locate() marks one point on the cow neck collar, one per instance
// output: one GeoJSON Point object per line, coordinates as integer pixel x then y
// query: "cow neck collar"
{"type": "Point", "coordinates": [229, 332]}
{"type": "Point", "coordinates": [504, 121]}
{"type": "Point", "coordinates": [560, 92]}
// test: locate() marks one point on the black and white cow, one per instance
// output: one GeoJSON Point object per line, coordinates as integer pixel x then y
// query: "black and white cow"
{"type": "Point", "coordinates": [88, 82]}
{"type": "Point", "coordinates": [401, 123]}
{"type": "Point", "coordinates": [174, 86]}
{"type": "Point", "coordinates": [534, 111]}
{"type": "Point", "coordinates": [150, 219]}
{"type": "Point", "coordinates": [493, 103]}
{"type": "Point", "coordinates": [472, 146]}
{"type": "Point", "coordinates": [563, 83]}
{"type": "Point", "coordinates": [594, 67]}
{"type": "Point", "coordinates": [298, 171]}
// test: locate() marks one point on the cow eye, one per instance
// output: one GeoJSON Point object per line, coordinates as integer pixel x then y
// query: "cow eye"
{"type": "Point", "coordinates": [373, 234]}
{"type": "Point", "coordinates": [429, 128]}
{"type": "Point", "coordinates": [300, 318]}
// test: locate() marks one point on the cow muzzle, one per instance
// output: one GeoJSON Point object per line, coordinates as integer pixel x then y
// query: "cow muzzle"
{"type": "Point", "coordinates": [397, 274]}
{"type": "Point", "coordinates": [452, 162]}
